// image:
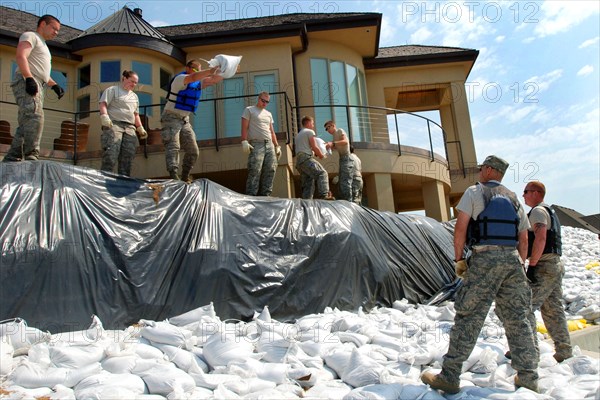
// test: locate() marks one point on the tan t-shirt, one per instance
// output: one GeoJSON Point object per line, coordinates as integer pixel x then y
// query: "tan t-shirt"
{"type": "Point", "coordinates": [40, 60]}
{"type": "Point", "coordinates": [343, 149]}
{"type": "Point", "coordinates": [122, 105]}
{"type": "Point", "coordinates": [259, 123]}
{"type": "Point", "coordinates": [539, 215]}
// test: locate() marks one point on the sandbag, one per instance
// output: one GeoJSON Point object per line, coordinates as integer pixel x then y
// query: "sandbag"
{"type": "Point", "coordinates": [228, 65]}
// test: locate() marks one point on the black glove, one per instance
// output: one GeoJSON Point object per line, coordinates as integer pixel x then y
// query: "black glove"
{"type": "Point", "coordinates": [531, 274]}
{"type": "Point", "coordinates": [60, 92]}
{"type": "Point", "coordinates": [30, 86]}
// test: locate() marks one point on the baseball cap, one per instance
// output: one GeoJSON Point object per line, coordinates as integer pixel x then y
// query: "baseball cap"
{"type": "Point", "coordinates": [497, 163]}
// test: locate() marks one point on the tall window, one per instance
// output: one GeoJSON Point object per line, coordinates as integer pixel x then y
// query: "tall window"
{"type": "Point", "coordinates": [110, 71]}
{"type": "Point", "coordinates": [165, 79]}
{"type": "Point", "coordinates": [83, 106]}
{"type": "Point", "coordinates": [84, 76]}
{"type": "Point", "coordinates": [336, 84]}
{"type": "Point", "coordinates": [144, 72]}
{"type": "Point", "coordinates": [267, 83]}
{"type": "Point", "coordinates": [222, 118]}
{"type": "Point", "coordinates": [204, 122]}
{"type": "Point", "coordinates": [233, 108]}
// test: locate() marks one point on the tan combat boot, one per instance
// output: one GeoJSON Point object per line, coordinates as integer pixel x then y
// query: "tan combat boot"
{"type": "Point", "coordinates": [439, 383]}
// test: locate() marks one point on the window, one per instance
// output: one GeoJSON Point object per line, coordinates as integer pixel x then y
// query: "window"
{"type": "Point", "coordinates": [204, 121]}
{"type": "Point", "coordinates": [222, 118]}
{"type": "Point", "coordinates": [165, 79]}
{"type": "Point", "coordinates": [321, 96]}
{"type": "Point", "coordinates": [110, 71]}
{"type": "Point", "coordinates": [60, 78]}
{"type": "Point", "coordinates": [233, 108]}
{"type": "Point", "coordinates": [145, 100]}
{"type": "Point", "coordinates": [266, 83]}
{"type": "Point", "coordinates": [83, 106]}
{"type": "Point", "coordinates": [144, 72]}
{"type": "Point", "coordinates": [337, 84]}
{"type": "Point", "coordinates": [84, 77]}
{"type": "Point", "coordinates": [13, 69]}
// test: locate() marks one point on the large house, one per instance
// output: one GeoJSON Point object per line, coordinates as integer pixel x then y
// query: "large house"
{"type": "Point", "coordinates": [329, 66]}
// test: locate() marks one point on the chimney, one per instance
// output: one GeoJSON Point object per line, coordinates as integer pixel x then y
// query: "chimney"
{"type": "Point", "coordinates": [138, 12]}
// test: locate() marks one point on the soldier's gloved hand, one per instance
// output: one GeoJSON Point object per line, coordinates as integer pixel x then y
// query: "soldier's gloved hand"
{"type": "Point", "coordinates": [335, 180]}
{"type": "Point", "coordinates": [531, 274]}
{"type": "Point", "coordinates": [246, 147]}
{"type": "Point", "coordinates": [60, 92]}
{"type": "Point", "coordinates": [105, 120]}
{"type": "Point", "coordinates": [278, 151]}
{"type": "Point", "coordinates": [31, 86]}
{"type": "Point", "coordinates": [142, 134]}
{"type": "Point", "coordinates": [460, 267]}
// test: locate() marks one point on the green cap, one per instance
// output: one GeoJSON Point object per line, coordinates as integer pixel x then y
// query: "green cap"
{"type": "Point", "coordinates": [497, 163]}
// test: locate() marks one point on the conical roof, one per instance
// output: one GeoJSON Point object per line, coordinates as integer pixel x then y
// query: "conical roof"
{"type": "Point", "coordinates": [125, 21]}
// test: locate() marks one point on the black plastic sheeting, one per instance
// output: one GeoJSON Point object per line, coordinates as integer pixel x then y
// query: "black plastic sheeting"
{"type": "Point", "coordinates": [77, 242]}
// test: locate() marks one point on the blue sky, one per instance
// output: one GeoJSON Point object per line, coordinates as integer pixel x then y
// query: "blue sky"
{"type": "Point", "coordinates": [534, 93]}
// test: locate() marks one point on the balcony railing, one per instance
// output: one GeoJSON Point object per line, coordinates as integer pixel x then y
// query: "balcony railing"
{"type": "Point", "coordinates": [367, 124]}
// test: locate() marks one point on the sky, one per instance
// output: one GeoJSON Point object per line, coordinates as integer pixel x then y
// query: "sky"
{"type": "Point", "coordinates": [533, 94]}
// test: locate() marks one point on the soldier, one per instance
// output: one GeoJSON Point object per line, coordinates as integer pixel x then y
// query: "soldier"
{"type": "Point", "coordinates": [311, 171]}
{"type": "Point", "coordinates": [545, 271]}
{"type": "Point", "coordinates": [260, 143]}
{"type": "Point", "coordinates": [341, 143]}
{"type": "Point", "coordinates": [183, 98]}
{"type": "Point", "coordinates": [488, 219]}
{"type": "Point", "coordinates": [32, 75]}
{"type": "Point", "coordinates": [120, 118]}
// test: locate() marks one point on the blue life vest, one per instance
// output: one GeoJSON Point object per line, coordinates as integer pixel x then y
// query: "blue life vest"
{"type": "Point", "coordinates": [188, 98]}
{"type": "Point", "coordinates": [553, 235]}
{"type": "Point", "coordinates": [498, 223]}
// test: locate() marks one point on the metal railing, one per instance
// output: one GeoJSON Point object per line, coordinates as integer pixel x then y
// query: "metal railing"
{"type": "Point", "coordinates": [363, 124]}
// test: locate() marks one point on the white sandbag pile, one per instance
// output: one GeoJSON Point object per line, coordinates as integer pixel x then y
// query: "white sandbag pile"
{"type": "Point", "coordinates": [332, 355]}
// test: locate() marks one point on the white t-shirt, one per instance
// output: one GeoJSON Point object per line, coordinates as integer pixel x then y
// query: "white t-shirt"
{"type": "Point", "coordinates": [260, 121]}
{"type": "Point", "coordinates": [40, 60]}
{"type": "Point", "coordinates": [303, 141]}
{"type": "Point", "coordinates": [122, 105]}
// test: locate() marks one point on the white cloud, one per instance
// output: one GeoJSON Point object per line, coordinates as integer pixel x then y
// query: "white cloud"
{"type": "Point", "coordinates": [420, 36]}
{"type": "Point", "coordinates": [542, 83]}
{"type": "Point", "coordinates": [586, 70]}
{"type": "Point", "coordinates": [158, 23]}
{"type": "Point", "coordinates": [589, 42]}
{"type": "Point", "coordinates": [389, 34]}
{"type": "Point", "coordinates": [561, 16]}
{"type": "Point", "coordinates": [561, 156]}
{"type": "Point", "coordinates": [500, 39]}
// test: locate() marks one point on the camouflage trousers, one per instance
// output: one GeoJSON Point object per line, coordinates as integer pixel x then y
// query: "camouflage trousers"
{"type": "Point", "coordinates": [176, 133]}
{"type": "Point", "coordinates": [346, 175]}
{"type": "Point", "coordinates": [493, 274]}
{"type": "Point", "coordinates": [262, 164]}
{"type": "Point", "coordinates": [357, 187]}
{"type": "Point", "coordinates": [119, 145]}
{"type": "Point", "coordinates": [311, 172]}
{"type": "Point", "coordinates": [30, 117]}
{"type": "Point", "coordinates": [546, 296]}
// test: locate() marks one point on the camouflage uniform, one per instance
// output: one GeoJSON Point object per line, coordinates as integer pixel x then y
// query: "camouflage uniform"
{"type": "Point", "coordinates": [175, 130]}
{"type": "Point", "coordinates": [26, 143]}
{"type": "Point", "coordinates": [119, 145]}
{"type": "Point", "coordinates": [346, 175]}
{"type": "Point", "coordinates": [312, 171]}
{"type": "Point", "coordinates": [494, 273]}
{"type": "Point", "coordinates": [547, 296]}
{"type": "Point", "coordinates": [262, 164]}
